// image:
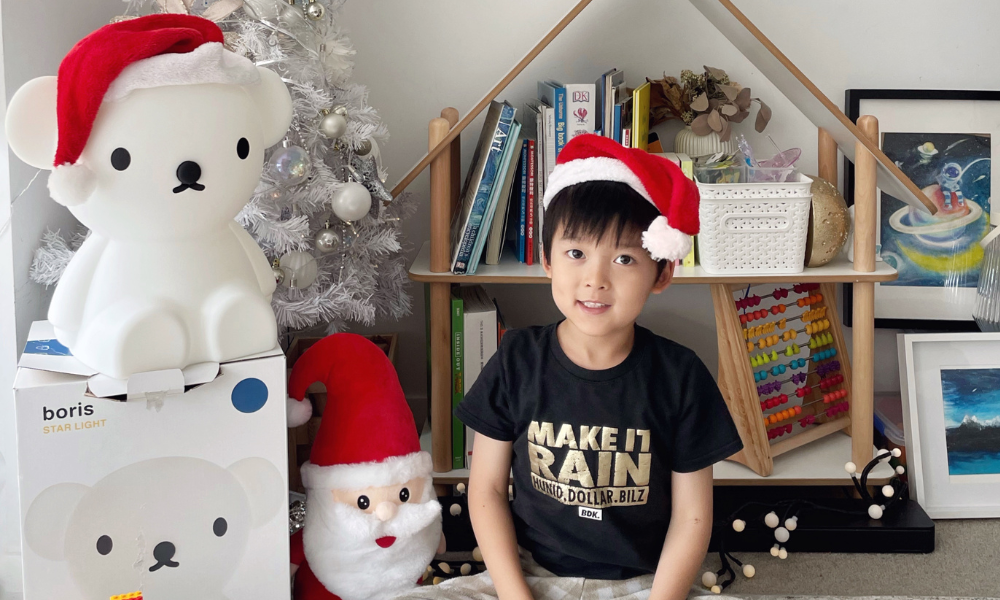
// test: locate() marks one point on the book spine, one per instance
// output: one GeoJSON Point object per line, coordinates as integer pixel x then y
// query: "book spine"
{"type": "Point", "coordinates": [640, 116]}
{"type": "Point", "coordinates": [457, 385]}
{"type": "Point", "coordinates": [550, 143]}
{"type": "Point", "coordinates": [529, 250]}
{"type": "Point", "coordinates": [496, 192]}
{"type": "Point", "coordinates": [627, 137]}
{"type": "Point", "coordinates": [526, 150]}
{"type": "Point", "coordinates": [616, 126]}
{"type": "Point", "coordinates": [490, 173]}
{"type": "Point", "coordinates": [580, 111]}
{"type": "Point", "coordinates": [561, 124]}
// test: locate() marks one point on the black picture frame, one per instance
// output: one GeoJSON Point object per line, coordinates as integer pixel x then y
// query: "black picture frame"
{"type": "Point", "coordinates": [852, 105]}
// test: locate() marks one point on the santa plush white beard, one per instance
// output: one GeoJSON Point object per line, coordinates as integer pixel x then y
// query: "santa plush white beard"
{"type": "Point", "coordinates": [340, 546]}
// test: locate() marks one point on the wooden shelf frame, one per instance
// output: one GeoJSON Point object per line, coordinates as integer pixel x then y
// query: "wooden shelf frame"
{"type": "Point", "coordinates": [433, 264]}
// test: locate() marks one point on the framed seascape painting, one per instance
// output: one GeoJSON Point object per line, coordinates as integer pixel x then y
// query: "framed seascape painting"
{"type": "Point", "coordinates": [950, 384]}
{"type": "Point", "coordinates": [944, 141]}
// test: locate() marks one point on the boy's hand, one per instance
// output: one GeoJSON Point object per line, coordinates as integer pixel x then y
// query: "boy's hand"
{"type": "Point", "coordinates": [489, 509]}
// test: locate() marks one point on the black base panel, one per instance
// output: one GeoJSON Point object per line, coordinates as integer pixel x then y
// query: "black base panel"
{"type": "Point", "coordinates": [905, 528]}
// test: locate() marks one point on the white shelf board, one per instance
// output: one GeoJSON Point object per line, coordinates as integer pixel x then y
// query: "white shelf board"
{"type": "Point", "coordinates": [817, 463]}
{"type": "Point", "coordinates": [511, 271]}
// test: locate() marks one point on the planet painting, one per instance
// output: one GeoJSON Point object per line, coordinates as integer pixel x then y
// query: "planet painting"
{"type": "Point", "coordinates": [940, 250]}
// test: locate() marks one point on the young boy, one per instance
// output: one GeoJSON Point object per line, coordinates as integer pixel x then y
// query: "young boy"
{"type": "Point", "coordinates": [610, 429]}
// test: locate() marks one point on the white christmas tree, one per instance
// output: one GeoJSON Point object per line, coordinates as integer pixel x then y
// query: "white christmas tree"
{"type": "Point", "coordinates": [321, 211]}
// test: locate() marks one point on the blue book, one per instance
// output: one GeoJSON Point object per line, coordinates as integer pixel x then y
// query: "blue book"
{"type": "Point", "coordinates": [616, 127]}
{"type": "Point", "coordinates": [523, 214]}
{"type": "Point", "coordinates": [553, 93]}
{"type": "Point", "coordinates": [479, 184]}
{"type": "Point", "coordinates": [507, 153]}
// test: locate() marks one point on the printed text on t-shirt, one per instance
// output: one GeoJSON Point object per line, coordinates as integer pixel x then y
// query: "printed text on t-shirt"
{"type": "Point", "coordinates": [622, 480]}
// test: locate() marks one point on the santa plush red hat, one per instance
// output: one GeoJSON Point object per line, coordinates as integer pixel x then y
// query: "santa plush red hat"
{"type": "Point", "coordinates": [367, 437]}
{"type": "Point", "coordinates": [108, 64]}
{"type": "Point", "coordinates": [591, 157]}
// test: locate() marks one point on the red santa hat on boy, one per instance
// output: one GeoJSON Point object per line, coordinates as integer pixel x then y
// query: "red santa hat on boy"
{"type": "Point", "coordinates": [662, 183]}
{"type": "Point", "coordinates": [367, 437]}
{"type": "Point", "coordinates": [108, 64]}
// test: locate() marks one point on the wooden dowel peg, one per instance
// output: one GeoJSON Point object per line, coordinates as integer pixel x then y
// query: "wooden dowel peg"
{"type": "Point", "coordinates": [827, 156]}
{"type": "Point", "coordinates": [451, 114]}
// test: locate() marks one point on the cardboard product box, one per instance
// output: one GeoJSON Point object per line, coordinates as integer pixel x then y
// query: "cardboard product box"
{"type": "Point", "coordinates": [172, 485]}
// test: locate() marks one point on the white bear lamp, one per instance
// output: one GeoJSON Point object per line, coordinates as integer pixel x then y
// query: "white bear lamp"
{"type": "Point", "coordinates": [156, 135]}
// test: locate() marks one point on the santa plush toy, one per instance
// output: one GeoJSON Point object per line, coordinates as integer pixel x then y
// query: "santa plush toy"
{"type": "Point", "coordinates": [372, 523]}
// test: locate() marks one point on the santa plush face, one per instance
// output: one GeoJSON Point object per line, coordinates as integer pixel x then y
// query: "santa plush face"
{"type": "Point", "coordinates": [373, 542]}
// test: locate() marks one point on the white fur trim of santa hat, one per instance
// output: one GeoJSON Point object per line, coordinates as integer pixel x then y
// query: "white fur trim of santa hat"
{"type": "Point", "coordinates": [662, 241]}
{"type": "Point", "coordinates": [394, 470]}
{"type": "Point", "coordinates": [71, 185]}
{"type": "Point", "coordinates": [208, 63]}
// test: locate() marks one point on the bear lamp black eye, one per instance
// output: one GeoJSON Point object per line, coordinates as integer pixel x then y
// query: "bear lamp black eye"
{"type": "Point", "coordinates": [220, 527]}
{"type": "Point", "coordinates": [364, 502]}
{"type": "Point", "coordinates": [104, 545]}
{"type": "Point", "coordinates": [243, 148]}
{"type": "Point", "coordinates": [404, 495]}
{"type": "Point", "coordinates": [120, 159]}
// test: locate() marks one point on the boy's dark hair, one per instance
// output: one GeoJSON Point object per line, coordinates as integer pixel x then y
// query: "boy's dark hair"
{"type": "Point", "coordinates": [594, 209]}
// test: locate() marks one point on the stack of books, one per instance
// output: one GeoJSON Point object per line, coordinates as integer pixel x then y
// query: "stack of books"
{"type": "Point", "coordinates": [476, 329]}
{"type": "Point", "coordinates": [501, 203]}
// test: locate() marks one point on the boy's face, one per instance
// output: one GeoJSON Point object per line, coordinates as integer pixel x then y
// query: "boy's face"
{"type": "Point", "coordinates": [601, 287]}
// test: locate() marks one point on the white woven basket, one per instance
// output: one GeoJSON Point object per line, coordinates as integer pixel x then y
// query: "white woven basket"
{"type": "Point", "coordinates": [756, 227]}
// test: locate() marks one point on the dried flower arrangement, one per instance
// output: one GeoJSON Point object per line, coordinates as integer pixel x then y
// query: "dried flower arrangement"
{"type": "Point", "coordinates": [707, 102]}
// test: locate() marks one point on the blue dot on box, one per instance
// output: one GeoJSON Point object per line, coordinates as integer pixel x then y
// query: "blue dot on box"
{"type": "Point", "coordinates": [249, 395]}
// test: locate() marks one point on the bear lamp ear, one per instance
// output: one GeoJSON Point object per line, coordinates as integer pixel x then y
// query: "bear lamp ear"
{"type": "Point", "coordinates": [274, 105]}
{"type": "Point", "coordinates": [48, 518]}
{"type": "Point", "coordinates": [264, 486]}
{"type": "Point", "coordinates": [31, 125]}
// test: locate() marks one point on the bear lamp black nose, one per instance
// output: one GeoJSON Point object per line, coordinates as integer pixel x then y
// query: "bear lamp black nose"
{"type": "Point", "coordinates": [188, 173]}
{"type": "Point", "coordinates": [164, 554]}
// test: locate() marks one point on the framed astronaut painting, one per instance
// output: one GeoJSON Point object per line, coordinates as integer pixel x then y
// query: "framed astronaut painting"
{"type": "Point", "coordinates": [944, 140]}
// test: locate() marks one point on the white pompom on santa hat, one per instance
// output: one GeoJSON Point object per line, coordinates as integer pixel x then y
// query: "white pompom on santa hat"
{"type": "Point", "coordinates": [151, 51]}
{"type": "Point", "coordinates": [367, 437]}
{"type": "Point", "coordinates": [592, 157]}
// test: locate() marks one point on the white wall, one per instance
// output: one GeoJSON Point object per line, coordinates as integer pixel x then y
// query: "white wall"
{"type": "Point", "coordinates": [418, 57]}
{"type": "Point", "coordinates": [36, 35]}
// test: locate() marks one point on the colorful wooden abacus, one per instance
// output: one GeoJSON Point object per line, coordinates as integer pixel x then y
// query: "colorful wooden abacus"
{"type": "Point", "coordinates": [789, 337]}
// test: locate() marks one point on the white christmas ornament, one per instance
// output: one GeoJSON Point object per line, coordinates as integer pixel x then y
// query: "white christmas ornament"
{"type": "Point", "coordinates": [771, 520]}
{"type": "Point", "coordinates": [334, 123]}
{"type": "Point", "coordinates": [289, 165]}
{"type": "Point", "coordinates": [166, 277]}
{"type": "Point", "coordinates": [781, 534]}
{"type": "Point", "coordinates": [352, 201]}
{"type": "Point", "coordinates": [300, 269]}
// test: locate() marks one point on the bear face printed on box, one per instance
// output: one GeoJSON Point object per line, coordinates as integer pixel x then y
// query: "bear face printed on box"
{"type": "Point", "coordinates": [166, 278]}
{"type": "Point", "coordinates": [171, 527]}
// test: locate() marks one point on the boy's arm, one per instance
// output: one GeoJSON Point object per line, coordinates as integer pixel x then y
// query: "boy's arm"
{"type": "Point", "coordinates": [687, 538]}
{"type": "Point", "coordinates": [489, 510]}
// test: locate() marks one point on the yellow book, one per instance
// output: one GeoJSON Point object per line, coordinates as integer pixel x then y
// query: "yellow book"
{"type": "Point", "coordinates": [640, 116]}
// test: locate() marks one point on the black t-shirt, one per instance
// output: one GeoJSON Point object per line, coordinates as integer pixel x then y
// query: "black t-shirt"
{"type": "Point", "coordinates": [593, 450]}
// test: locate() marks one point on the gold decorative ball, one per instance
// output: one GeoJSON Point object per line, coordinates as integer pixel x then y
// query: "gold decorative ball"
{"type": "Point", "coordinates": [829, 223]}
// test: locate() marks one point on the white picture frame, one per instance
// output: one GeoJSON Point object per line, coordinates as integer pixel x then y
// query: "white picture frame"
{"type": "Point", "coordinates": [948, 481]}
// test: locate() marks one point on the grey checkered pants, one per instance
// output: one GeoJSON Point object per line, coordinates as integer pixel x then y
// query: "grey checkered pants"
{"type": "Point", "coordinates": [545, 586]}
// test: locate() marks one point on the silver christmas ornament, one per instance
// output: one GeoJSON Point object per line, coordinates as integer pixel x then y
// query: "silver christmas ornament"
{"type": "Point", "coordinates": [334, 124]}
{"type": "Point", "coordinates": [300, 269]}
{"type": "Point", "coordinates": [364, 148]}
{"type": "Point", "coordinates": [327, 240]}
{"type": "Point", "coordinates": [276, 270]}
{"type": "Point", "coordinates": [352, 201]}
{"type": "Point", "coordinates": [315, 10]}
{"type": "Point", "coordinates": [262, 9]}
{"type": "Point", "coordinates": [290, 165]}
{"type": "Point", "coordinates": [296, 516]}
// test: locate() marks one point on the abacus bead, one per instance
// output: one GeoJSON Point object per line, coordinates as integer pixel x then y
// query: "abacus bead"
{"type": "Point", "coordinates": [743, 319]}
{"type": "Point", "coordinates": [798, 410]}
